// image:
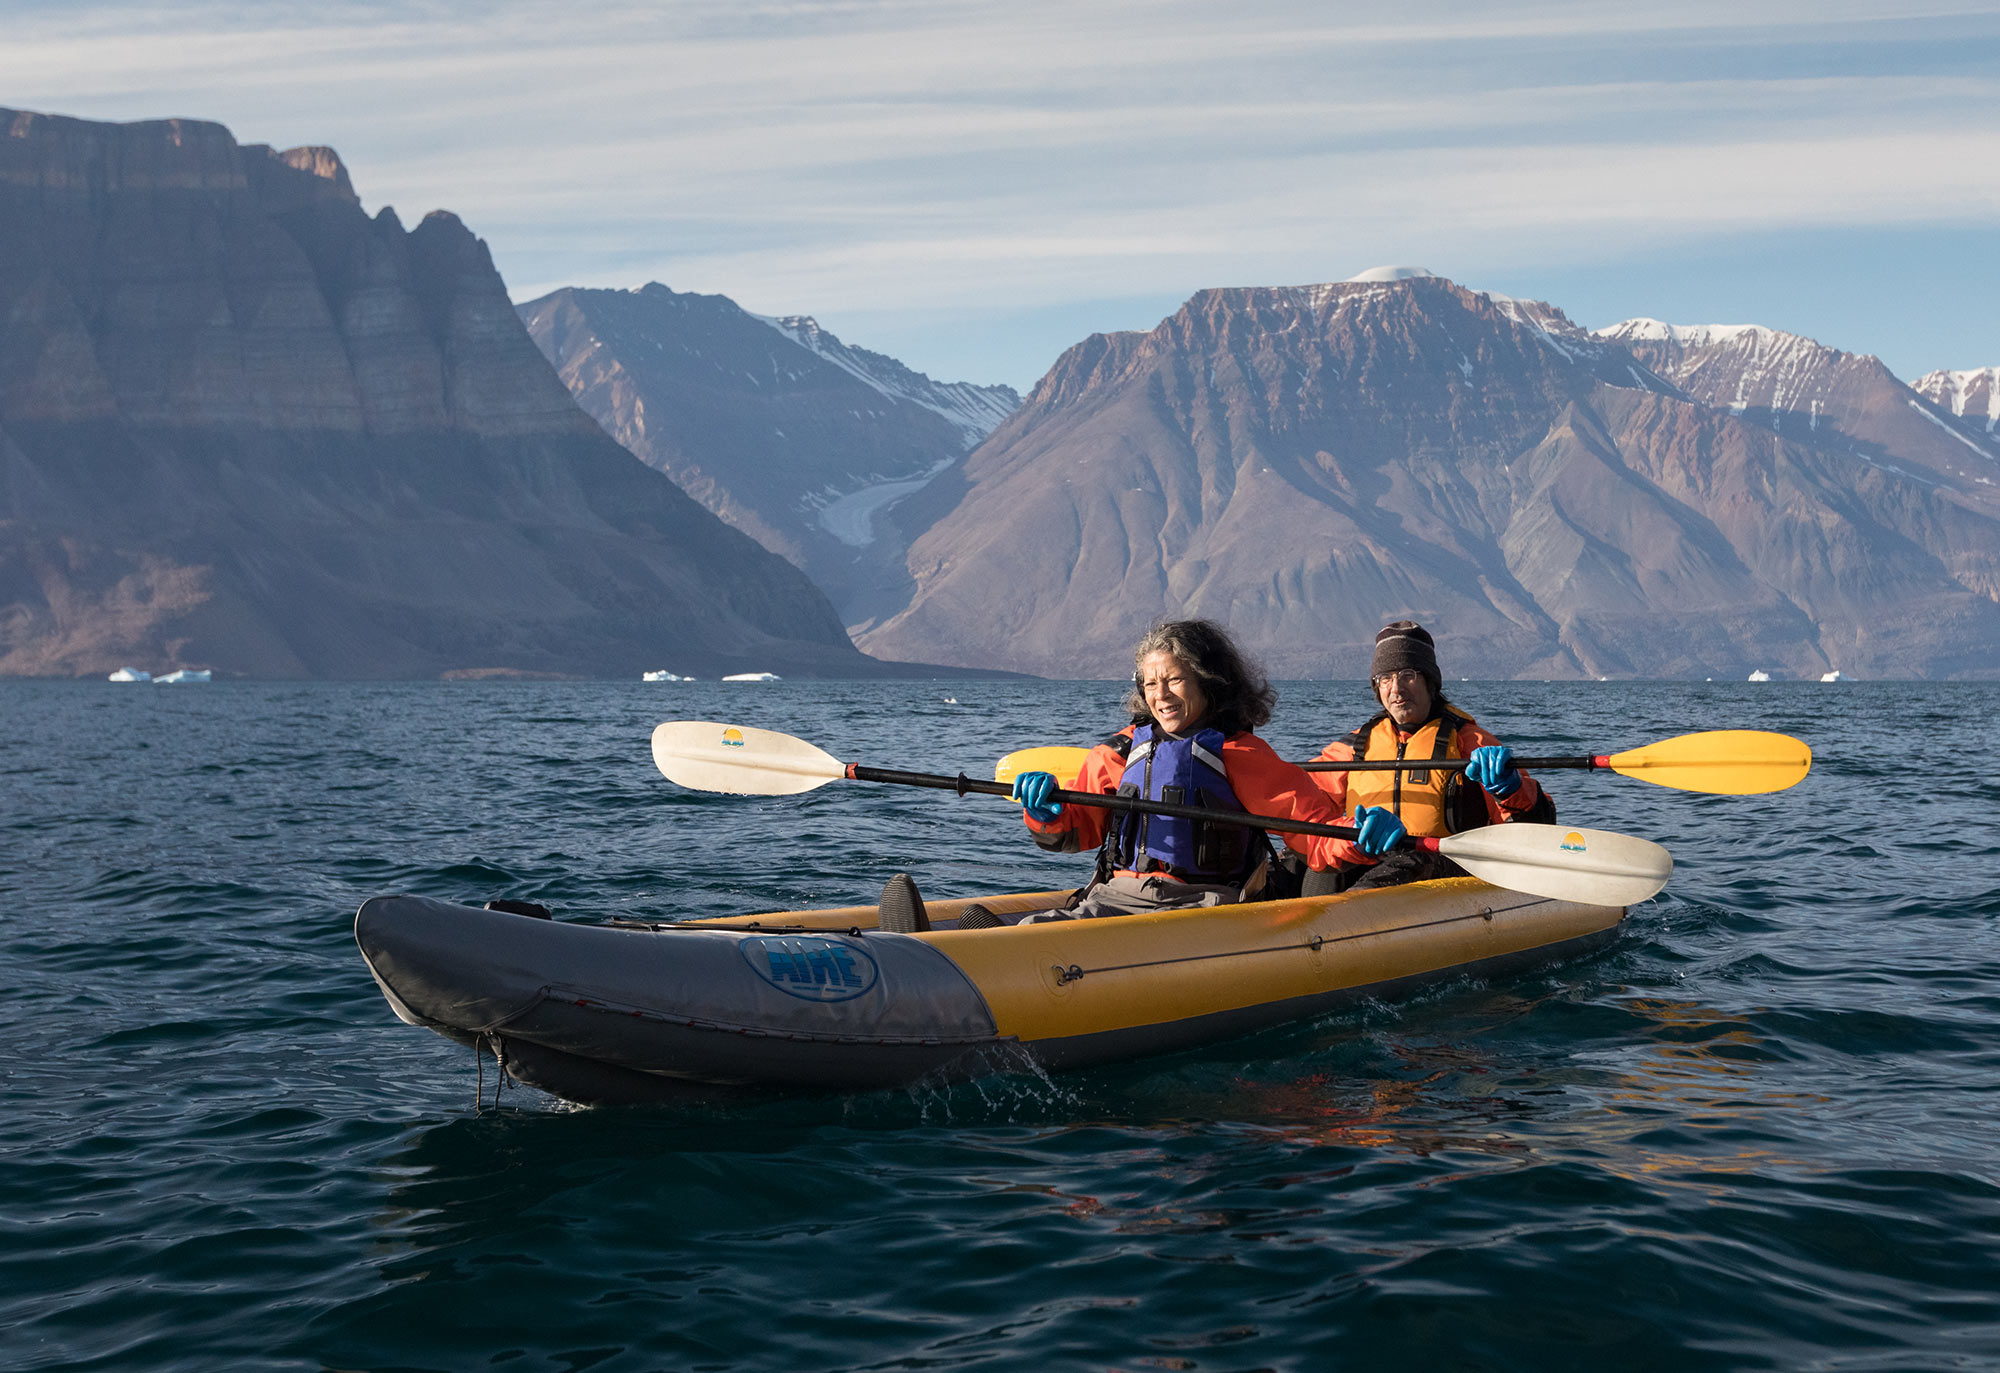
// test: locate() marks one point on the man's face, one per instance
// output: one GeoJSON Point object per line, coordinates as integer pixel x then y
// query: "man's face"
{"type": "Point", "coordinates": [1405, 695]}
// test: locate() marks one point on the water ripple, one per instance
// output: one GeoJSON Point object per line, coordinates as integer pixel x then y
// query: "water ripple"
{"type": "Point", "coordinates": [1755, 1132]}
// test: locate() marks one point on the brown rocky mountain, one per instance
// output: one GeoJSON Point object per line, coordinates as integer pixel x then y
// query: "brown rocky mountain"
{"type": "Point", "coordinates": [247, 427]}
{"type": "Point", "coordinates": [1818, 395]}
{"type": "Point", "coordinates": [801, 441]}
{"type": "Point", "coordinates": [1305, 463]}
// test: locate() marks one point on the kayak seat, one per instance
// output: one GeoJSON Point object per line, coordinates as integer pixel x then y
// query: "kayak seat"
{"type": "Point", "coordinates": [977, 917]}
{"type": "Point", "coordinates": [902, 910]}
{"type": "Point", "coordinates": [509, 906]}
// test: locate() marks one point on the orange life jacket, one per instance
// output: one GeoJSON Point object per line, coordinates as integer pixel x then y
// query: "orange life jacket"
{"type": "Point", "coordinates": [1430, 802]}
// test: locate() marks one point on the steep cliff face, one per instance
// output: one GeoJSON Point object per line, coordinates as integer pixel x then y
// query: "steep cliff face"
{"type": "Point", "coordinates": [802, 442]}
{"type": "Point", "coordinates": [1306, 463]}
{"type": "Point", "coordinates": [245, 426]}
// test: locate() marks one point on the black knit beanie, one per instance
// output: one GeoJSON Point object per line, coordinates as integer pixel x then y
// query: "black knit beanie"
{"type": "Point", "coordinates": [1402, 644]}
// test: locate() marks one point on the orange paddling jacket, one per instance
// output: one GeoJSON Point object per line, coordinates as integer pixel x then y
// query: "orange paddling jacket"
{"type": "Point", "coordinates": [1265, 783]}
{"type": "Point", "coordinates": [1431, 802]}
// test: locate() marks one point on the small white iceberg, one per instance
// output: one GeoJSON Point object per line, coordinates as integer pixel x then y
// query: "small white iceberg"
{"type": "Point", "coordinates": [664, 676]}
{"type": "Point", "coordinates": [1760, 676]}
{"type": "Point", "coordinates": [1835, 676]}
{"type": "Point", "coordinates": [753, 677]}
{"type": "Point", "coordinates": [186, 674]}
{"type": "Point", "coordinates": [130, 674]}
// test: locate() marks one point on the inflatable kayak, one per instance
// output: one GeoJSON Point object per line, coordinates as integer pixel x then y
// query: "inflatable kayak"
{"type": "Point", "coordinates": [824, 1001]}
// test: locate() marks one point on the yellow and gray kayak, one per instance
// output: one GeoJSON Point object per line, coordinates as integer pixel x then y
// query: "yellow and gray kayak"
{"type": "Point", "coordinates": [825, 1001]}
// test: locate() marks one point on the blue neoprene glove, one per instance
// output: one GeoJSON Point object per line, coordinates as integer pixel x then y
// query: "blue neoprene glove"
{"type": "Point", "coordinates": [1032, 790]}
{"type": "Point", "coordinates": [1380, 830]}
{"type": "Point", "coordinates": [1493, 768]}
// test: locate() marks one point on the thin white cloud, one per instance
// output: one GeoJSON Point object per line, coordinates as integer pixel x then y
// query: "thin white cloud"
{"type": "Point", "coordinates": [931, 155]}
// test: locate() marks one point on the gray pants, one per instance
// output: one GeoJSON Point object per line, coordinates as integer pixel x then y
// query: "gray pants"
{"type": "Point", "coordinates": [1396, 868]}
{"type": "Point", "coordinates": [1124, 895]}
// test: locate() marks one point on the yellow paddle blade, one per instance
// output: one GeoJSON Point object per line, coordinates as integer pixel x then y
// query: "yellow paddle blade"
{"type": "Point", "coordinates": [1728, 762]}
{"type": "Point", "coordinates": [703, 755]}
{"type": "Point", "coordinates": [1065, 763]}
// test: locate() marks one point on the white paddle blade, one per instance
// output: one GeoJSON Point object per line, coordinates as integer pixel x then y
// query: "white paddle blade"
{"type": "Point", "coordinates": [703, 755]}
{"type": "Point", "coordinates": [1595, 867]}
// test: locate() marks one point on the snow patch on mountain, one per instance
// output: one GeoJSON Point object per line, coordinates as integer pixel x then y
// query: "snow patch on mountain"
{"type": "Point", "coordinates": [976, 410]}
{"type": "Point", "coordinates": [1804, 389]}
{"type": "Point", "coordinates": [850, 516]}
{"type": "Point", "coordinates": [1918, 407]}
{"type": "Point", "coordinates": [1337, 295]}
{"type": "Point", "coordinates": [1760, 349]}
{"type": "Point", "coordinates": [1554, 330]}
{"type": "Point", "coordinates": [1773, 370]}
{"type": "Point", "coordinates": [1686, 335]}
{"type": "Point", "coordinates": [1973, 394]}
{"type": "Point", "coordinates": [1392, 274]}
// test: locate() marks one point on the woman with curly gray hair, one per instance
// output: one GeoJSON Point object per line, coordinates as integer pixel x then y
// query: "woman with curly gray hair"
{"type": "Point", "coordinates": [1196, 703]}
{"type": "Point", "coordinates": [1237, 695]}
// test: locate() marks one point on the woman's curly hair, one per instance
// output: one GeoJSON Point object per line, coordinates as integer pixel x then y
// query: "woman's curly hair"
{"type": "Point", "coordinates": [1239, 696]}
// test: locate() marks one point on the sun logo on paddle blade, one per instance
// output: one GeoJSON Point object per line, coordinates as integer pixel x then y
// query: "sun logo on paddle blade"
{"type": "Point", "coordinates": [732, 737]}
{"type": "Point", "coordinates": [1573, 842]}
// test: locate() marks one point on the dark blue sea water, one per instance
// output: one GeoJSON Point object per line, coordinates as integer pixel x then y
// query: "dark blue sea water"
{"type": "Point", "coordinates": [1758, 1132]}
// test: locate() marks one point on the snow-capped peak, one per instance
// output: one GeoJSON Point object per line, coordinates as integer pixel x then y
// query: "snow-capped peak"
{"type": "Point", "coordinates": [1973, 394]}
{"type": "Point", "coordinates": [976, 410]}
{"type": "Point", "coordinates": [1392, 274]}
{"type": "Point", "coordinates": [1688, 335]}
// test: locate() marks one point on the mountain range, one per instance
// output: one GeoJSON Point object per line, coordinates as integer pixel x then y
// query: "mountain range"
{"type": "Point", "coordinates": [774, 424]}
{"type": "Point", "coordinates": [1306, 463]}
{"type": "Point", "coordinates": [246, 426]}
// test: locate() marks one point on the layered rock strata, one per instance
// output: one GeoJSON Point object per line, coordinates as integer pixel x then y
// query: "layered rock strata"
{"type": "Point", "coordinates": [1306, 463]}
{"type": "Point", "coordinates": [808, 445]}
{"type": "Point", "coordinates": [248, 427]}
{"type": "Point", "coordinates": [1824, 398]}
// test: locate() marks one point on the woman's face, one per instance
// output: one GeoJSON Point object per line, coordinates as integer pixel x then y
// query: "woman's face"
{"type": "Point", "coordinates": [1172, 692]}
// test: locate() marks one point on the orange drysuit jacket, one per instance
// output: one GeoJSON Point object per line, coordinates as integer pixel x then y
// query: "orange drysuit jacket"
{"type": "Point", "coordinates": [1265, 783]}
{"type": "Point", "coordinates": [1470, 737]}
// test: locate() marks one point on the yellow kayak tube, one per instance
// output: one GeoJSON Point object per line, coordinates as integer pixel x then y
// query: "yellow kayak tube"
{"type": "Point", "coordinates": [1179, 977]}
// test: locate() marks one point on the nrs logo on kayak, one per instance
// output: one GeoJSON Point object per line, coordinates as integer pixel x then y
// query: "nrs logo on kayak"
{"type": "Point", "coordinates": [814, 969]}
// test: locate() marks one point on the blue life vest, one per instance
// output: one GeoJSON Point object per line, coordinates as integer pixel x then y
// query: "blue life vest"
{"type": "Point", "coordinates": [1184, 772]}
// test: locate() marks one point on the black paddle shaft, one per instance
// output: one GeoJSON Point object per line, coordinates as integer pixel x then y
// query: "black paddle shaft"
{"type": "Point", "coordinates": [963, 784]}
{"type": "Point", "coordinates": [1446, 764]}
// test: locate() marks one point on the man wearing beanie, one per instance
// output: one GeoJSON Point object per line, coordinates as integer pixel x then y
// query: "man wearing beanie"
{"type": "Point", "coordinates": [1417, 722]}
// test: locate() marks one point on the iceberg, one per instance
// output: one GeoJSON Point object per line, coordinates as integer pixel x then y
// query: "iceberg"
{"type": "Point", "coordinates": [130, 674]}
{"type": "Point", "coordinates": [1760, 676]}
{"type": "Point", "coordinates": [186, 674]}
{"type": "Point", "coordinates": [1835, 676]}
{"type": "Point", "coordinates": [753, 677]}
{"type": "Point", "coordinates": [663, 676]}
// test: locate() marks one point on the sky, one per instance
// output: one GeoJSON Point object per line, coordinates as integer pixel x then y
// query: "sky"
{"type": "Point", "coordinates": [974, 187]}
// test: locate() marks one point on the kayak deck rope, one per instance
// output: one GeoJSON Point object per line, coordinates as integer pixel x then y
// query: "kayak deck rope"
{"type": "Point", "coordinates": [754, 927]}
{"type": "Point", "coordinates": [1076, 973]}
